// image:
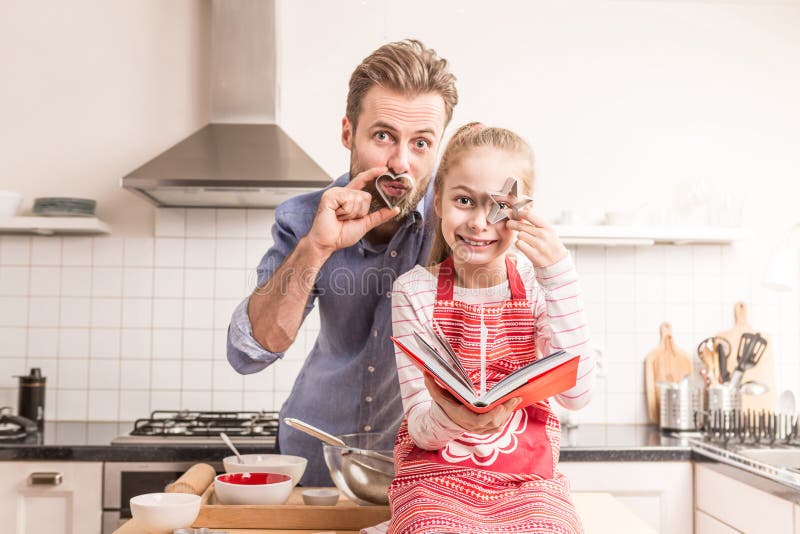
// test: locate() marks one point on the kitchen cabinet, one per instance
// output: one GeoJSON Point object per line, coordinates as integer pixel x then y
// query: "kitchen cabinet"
{"type": "Point", "coordinates": [660, 493]}
{"type": "Point", "coordinates": [705, 524]}
{"type": "Point", "coordinates": [67, 499]}
{"type": "Point", "coordinates": [738, 506]}
{"type": "Point", "coordinates": [796, 519]}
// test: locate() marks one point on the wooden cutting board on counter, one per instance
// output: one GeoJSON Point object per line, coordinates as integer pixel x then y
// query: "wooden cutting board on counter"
{"type": "Point", "coordinates": [763, 372]}
{"type": "Point", "coordinates": [294, 515]}
{"type": "Point", "coordinates": [665, 363]}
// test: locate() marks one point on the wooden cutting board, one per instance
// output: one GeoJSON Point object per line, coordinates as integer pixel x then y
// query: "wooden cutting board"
{"type": "Point", "coordinates": [294, 515]}
{"type": "Point", "coordinates": [665, 363]}
{"type": "Point", "coordinates": [763, 372]}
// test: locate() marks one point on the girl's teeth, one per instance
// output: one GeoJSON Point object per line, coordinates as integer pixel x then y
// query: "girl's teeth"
{"type": "Point", "coordinates": [476, 243]}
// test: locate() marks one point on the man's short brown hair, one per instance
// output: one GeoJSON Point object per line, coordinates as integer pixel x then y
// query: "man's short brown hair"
{"type": "Point", "coordinates": [406, 67]}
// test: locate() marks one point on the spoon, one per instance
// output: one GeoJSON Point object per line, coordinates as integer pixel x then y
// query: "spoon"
{"type": "Point", "coordinates": [229, 443]}
{"type": "Point", "coordinates": [331, 439]}
{"type": "Point", "coordinates": [752, 387]}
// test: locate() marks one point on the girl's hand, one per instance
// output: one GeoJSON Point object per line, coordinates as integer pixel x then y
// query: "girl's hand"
{"type": "Point", "coordinates": [490, 422]}
{"type": "Point", "coordinates": [537, 239]}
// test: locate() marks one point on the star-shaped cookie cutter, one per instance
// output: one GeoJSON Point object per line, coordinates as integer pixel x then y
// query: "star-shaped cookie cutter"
{"type": "Point", "coordinates": [509, 192]}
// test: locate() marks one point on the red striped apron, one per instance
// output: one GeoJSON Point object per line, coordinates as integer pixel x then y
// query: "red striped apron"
{"type": "Point", "coordinates": [482, 484]}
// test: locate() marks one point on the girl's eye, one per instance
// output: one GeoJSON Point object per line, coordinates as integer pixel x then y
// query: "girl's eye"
{"type": "Point", "coordinates": [503, 205]}
{"type": "Point", "coordinates": [422, 144]}
{"type": "Point", "coordinates": [463, 201]}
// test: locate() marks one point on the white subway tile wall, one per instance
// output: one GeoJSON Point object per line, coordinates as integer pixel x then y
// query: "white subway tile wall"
{"type": "Point", "coordinates": [122, 326]}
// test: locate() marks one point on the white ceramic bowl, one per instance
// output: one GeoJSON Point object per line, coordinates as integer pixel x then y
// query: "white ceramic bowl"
{"type": "Point", "coordinates": [294, 466]}
{"type": "Point", "coordinates": [9, 203]}
{"type": "Point", "coordinates": [253, 488]}
{"type": "Point", "coordinates": [321, 496]}
{"type": "Point", "coordinates": [161, 513]}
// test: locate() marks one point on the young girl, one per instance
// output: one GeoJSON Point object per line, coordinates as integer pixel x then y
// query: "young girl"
{"type": "Point", "coordinates": [457, 471]}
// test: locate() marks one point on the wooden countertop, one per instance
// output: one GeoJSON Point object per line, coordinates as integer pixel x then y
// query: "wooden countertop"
{"type": "Point", "coordinates": [600, 513]}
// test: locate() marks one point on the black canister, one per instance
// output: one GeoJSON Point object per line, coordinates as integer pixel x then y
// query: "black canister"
{"type": "Point", "coordinates": [31, 396]}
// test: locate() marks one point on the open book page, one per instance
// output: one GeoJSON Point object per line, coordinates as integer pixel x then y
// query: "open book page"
{"type": "Point", "coordinates": [445, 360]}
{"type": "Point", "coordinates": [422, 354]}
{"type": "Point", "coordinates": [435, 331]}
{"type": "Point", "coordinates": [524, 374]}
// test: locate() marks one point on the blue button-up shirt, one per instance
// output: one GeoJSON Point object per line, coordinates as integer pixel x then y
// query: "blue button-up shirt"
{"type": "Point", "coordinates": [348, 382]}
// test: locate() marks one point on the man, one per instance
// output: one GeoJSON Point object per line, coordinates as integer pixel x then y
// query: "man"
{"type": "Point", "coordinates": [342, 248]}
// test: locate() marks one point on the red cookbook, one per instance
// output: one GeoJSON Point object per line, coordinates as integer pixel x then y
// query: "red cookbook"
{"type": "Point", "coordinates": [543, 378]}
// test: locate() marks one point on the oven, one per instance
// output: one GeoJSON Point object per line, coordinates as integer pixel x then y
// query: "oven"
{"type": "Point", "coordinates": [123, 480]}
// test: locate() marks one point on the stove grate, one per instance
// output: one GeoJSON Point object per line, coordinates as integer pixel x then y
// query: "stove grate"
{"type": "Point", "coordinates": [207, 423]}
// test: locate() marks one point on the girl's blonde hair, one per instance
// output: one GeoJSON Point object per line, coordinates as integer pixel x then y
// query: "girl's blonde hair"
{"type": "Point", "coordinates": [471, 136]}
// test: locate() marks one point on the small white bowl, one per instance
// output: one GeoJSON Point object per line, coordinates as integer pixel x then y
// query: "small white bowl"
{"type": "Point", "coordinates": [9, 203]}
{"type": "Point", "coordinates": [321, 497]}
{"type": "Point", "coordinates": [161, 513]}
{"type": "Point", "coordinates": [253, 488]}
{"type": "Point", "coordinates": [294, 466]}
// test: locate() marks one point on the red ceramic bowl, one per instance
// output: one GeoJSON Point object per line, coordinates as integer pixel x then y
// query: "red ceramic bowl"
{"type": "Point", "coordinates": [253, 488]}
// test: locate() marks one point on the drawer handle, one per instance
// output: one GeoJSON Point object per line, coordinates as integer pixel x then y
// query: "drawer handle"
{"type": "Point", "coordinates": [45, 479]}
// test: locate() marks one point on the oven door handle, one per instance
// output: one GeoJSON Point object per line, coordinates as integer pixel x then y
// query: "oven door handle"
{"type": "Point", "coordinates": [45, 479]}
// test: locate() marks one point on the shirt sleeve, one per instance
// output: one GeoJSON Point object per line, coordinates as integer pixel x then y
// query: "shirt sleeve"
{"type": "Point", "coordinates": [428, 425]}
{"type": "Point", "coordinates": [245, 354]}
{"type": "Point", "coordinates": [561, 324]}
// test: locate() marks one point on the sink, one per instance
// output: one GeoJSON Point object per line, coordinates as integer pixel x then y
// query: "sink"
{"type": "Point", "coordinates": [788, 457]}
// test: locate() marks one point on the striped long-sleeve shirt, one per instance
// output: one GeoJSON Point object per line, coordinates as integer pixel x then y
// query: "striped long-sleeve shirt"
{"type": "Point", "coordinates": [555, 297]}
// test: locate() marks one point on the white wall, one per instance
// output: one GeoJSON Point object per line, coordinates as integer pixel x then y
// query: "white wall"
{"type": "Point", "coordinates": [623, 101]}
{"type": "Point", "coordinates": [92, 89]}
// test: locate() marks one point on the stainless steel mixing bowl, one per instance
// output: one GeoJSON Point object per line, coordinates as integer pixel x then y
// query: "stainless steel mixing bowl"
{"type": "Point", "coordinates": [363, 477]}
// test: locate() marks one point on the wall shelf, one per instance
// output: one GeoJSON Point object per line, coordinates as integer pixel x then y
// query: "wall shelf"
{"type": "Point", "coordinates": [602, 235]}
{"type": "Point", "coordinates": [53, 225]}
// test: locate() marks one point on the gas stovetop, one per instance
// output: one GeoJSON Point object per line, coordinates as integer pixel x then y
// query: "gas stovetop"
{"type": "Point", "coordinates": [198, 428]}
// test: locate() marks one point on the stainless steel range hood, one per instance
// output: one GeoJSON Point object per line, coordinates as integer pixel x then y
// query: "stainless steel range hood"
{"type": "Point", "coordinates": [243, 158]}
{"type": "Point", "coordinates": [228, 165]}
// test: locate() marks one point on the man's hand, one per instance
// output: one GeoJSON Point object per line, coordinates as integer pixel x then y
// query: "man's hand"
{"type": "Point", "coordinates": [537, 239]}
{"type": "Point", "coordinates": [343, 215]}
{"type": "Point", "coordinates": [477, 423]}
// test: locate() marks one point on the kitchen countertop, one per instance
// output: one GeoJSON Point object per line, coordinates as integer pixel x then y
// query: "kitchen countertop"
{"type": "Point", "coordinates": [91, 442]}
{"type": "Point", "coordinates": [600, 513]}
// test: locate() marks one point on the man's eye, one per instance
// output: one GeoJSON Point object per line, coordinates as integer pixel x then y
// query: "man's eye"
{"type": "Point", "coordinates": [382, 136]}
{"type": "Point", "coordinates": [422, 144]}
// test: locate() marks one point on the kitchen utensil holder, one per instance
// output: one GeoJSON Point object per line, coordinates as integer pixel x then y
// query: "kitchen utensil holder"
{"type": "Point", "coordinates": [678, 406]}
{"type": "Point", "coordinates": [724, 398]}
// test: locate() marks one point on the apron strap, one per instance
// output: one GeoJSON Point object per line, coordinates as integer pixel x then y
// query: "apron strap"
{"type": "Point", "coordinates": [446, 280]}
{"type": "Point", "coordinates": [518, 291]}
